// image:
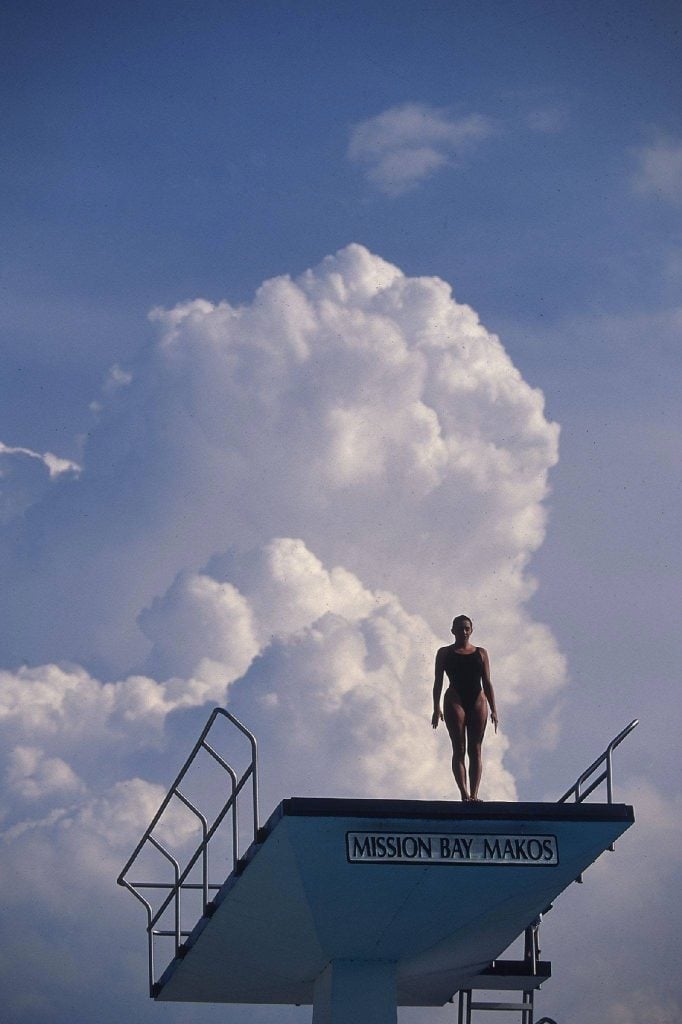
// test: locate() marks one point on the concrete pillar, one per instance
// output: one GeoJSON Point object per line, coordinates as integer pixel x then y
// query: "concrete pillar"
{"type": "Point", "coordinates": [356, 992]}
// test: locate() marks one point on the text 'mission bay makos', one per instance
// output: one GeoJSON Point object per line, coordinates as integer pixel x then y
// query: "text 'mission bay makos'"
{"type": "Point", "coordinates": [441, 848]}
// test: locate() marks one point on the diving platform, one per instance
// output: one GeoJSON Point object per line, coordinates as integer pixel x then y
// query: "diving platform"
{"type": "Point", "coordinates": [430, 892]}
{"type": "Point", "coordinates": [357, 907]}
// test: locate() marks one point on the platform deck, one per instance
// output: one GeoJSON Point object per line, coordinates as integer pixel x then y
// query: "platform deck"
{"type": "Point", "coordinates": [440, 889]}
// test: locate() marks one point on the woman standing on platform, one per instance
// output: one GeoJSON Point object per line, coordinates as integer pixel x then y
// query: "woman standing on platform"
{"type": "Point", "coordinates": [465, 704]}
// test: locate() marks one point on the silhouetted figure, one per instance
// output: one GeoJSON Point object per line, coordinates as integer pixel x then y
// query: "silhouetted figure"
{"type": "Point", "coordinates": [465, 704]}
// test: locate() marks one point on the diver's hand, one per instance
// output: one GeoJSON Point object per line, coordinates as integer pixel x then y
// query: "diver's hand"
{"type": "Point", "coordinates": [436, 718]}
{"type": "Point", "coordinates": [493, 719]}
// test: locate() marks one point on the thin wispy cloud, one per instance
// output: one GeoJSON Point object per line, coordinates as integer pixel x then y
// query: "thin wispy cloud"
{"type": "Point", "coordinates": [404, 145]}
{"type": "Point", "coordinates": [27, 475]}
{"type": "Point", "coordinates": [53, 463]}
{"type": "Point", "coordinates": [659, 171]}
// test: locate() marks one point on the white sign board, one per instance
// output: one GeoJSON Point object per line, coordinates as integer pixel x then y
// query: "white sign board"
{"type": "Point", "coordinates": [442, 848]}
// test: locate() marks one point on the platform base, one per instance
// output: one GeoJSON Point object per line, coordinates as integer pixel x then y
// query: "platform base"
{"type": "Point", "coordinates": [355, 991]}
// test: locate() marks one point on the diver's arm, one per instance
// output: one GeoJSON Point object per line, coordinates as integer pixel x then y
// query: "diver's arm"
{"type": "Point", "coordinates": [437, 690]}
{"type": "Point", "coordinates": [488, 686]}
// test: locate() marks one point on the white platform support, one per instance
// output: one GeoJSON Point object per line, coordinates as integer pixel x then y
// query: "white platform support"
{"type": "Point", "coordinates": [356, 991]}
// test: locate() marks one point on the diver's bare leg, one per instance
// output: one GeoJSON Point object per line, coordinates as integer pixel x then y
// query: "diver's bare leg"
{"type": "Point", "coordinates": [455, 720]}
{"type": "Point", "coordinates": [475, 729]}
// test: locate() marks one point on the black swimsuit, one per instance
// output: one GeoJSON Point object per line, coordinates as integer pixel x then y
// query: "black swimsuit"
{"type": "Point", "coordinates": [465, 672]}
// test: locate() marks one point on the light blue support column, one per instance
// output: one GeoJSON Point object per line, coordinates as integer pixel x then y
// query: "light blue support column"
{"type": "Point", "coordinates": [356, 992]}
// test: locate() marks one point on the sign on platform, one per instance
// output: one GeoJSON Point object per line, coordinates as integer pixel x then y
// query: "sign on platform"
{"type": "Point", "coordinates": [441, 848]}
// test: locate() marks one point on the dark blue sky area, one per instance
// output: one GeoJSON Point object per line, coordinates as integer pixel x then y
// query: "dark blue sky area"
{"type": "Point", "coordinates": [159, 151]}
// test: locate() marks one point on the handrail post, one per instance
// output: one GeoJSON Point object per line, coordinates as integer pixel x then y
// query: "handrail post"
{"type": "Point", "coordinates": [233, 798]}
{"type": "Point", "coordinates": [175, 890]}
{"type": "Point", "coordinates": [150, 937]}
{"type": "Point", "coordinates": [254, 762]}
{"type": "Point", "coordinates": [204, 841]}
{"type": "Point", "coordinates": [254, 786]}
{"type": "Point", "coordinates": [531, 946]}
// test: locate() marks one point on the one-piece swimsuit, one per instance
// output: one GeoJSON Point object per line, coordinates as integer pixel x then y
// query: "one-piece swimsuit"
{"type": "Point", "coordinates": [465, 672]}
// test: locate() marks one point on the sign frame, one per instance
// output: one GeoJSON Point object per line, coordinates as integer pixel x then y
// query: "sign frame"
{"type": "Point", "coordinates": [452, 849]}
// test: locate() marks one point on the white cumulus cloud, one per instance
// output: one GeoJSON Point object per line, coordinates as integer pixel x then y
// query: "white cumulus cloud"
{"type": "Point", "coordinates": [335, 685]}
{"type": "Point", "coordinates": [365, 412]}
{"type": "Point", "coordinates": [32, 775]}
{"type": "Point", "coordinates": [280, 511]}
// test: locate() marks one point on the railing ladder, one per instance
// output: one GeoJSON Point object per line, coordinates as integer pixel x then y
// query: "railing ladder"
{"type": "Point", "coordinates": [180, 875]}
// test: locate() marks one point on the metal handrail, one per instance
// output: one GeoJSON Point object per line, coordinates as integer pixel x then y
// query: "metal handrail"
{"type": "Point", "coordinates": [174, 891]}
{"type": "Point", "coordinates": [180, 882]}
{"type": "Point", "coordinates": [235, 824]}
{"type": "Point", "coordinates": [200, 849]}
{"type": "Point", "coordinates": [606, 757]}
{"type": "Point", "coordinates": [150, 943]}
{"type": "Point", "coordinates": [204, 840]}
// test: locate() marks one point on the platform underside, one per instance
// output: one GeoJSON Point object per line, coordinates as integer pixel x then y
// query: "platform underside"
{"type": "Point", "coordinates": [441, 889]}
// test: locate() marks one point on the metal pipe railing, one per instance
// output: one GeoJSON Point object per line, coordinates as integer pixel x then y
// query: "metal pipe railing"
{"type": "Point", "coordinates": [235, 823]}
{"type": "Point", "coordinates": [176, 888]}
{"type": "Point", "coordinates": [605, 758]}
{"type": "Point", "coordinates": [197, 853]}
{"type": "Point", "coordinates": [150, 944]}
{"type": "Point", "coordinates": [180, 877]}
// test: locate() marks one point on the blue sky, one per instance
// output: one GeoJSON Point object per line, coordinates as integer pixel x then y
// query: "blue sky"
{"type": "Point", "coordinates": [164, 151]}
{"type": "Point", "coordinates": [529, 155]}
